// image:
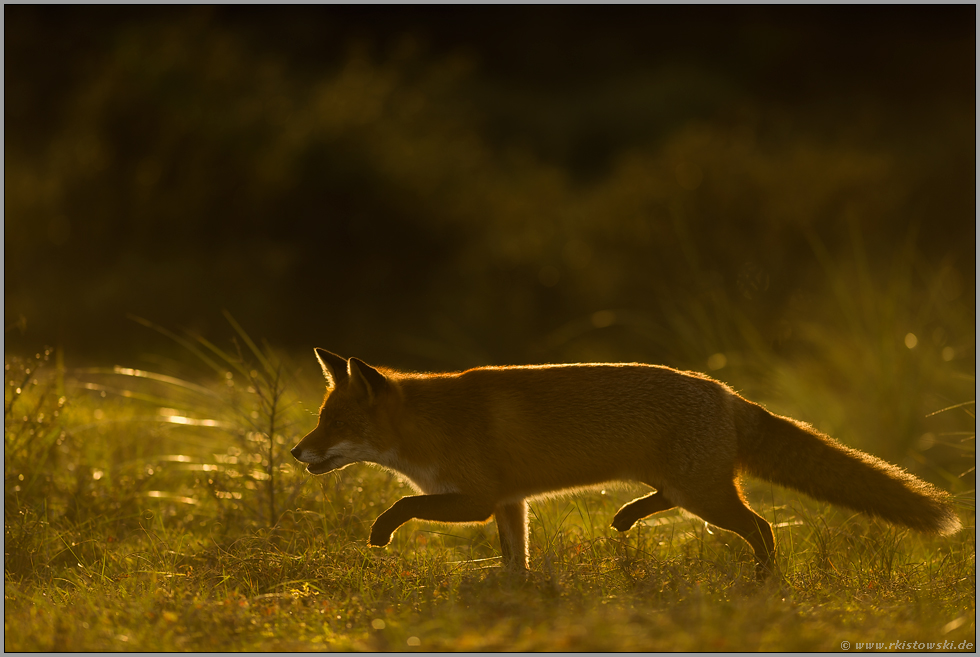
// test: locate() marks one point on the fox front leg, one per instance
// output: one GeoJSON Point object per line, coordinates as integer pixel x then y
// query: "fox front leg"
{"type": "Point", "coordinates": [445, 507]}
{"type": "Point", "coordinates": [639, 508]}
{"type": "Point", "coordinates": [512, 526]}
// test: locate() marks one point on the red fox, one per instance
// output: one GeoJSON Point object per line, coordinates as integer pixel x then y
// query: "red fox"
{"type": "Point", "coordinates": [479, 443]}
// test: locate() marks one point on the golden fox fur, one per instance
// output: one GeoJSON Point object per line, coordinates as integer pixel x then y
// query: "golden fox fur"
{"type": "Point", "coordinates": [479, 443]}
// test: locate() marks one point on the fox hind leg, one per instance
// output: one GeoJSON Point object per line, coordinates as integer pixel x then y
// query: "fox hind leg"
{"type": "Point", "coordinates": [640, 508]}
{"type": "Point", "coordinates": [727, 510]}
{"type": "Point", "coordinates": [511, 520]}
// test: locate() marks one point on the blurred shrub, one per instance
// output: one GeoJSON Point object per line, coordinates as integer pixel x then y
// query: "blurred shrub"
{"type": "Point", "coordinates": [403, 202]}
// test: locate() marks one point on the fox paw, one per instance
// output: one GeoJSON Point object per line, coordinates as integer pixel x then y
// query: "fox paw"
{"type": "Point", "coordinates": [623, 524]}
{"type": "Point", "coordinates": [379, 537]}
{"type": "Point", "coordinates": [763, 571]}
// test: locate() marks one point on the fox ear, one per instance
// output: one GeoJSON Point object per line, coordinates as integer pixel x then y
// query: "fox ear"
{"type": "Point", "coordinates": [334, 367]}
{"type": "Point", "coordinates": [365, 380]}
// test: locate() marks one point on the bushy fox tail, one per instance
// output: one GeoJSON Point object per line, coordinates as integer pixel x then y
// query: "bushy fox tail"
{"type": "Point", "coordinates": [796, 455]}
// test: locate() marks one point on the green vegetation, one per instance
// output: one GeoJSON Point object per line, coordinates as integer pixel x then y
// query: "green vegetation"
{"type": "Point", "coordinates": [781, 197]}
{"type": "Point", "coordinates": [161, 510]}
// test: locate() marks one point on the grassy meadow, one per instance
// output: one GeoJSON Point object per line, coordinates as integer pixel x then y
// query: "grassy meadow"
{"type": "Point", "coordinates": [160, 510]}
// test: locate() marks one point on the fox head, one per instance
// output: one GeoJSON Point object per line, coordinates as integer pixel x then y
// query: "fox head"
{"type": "Point", "coordinates": [348, 430]}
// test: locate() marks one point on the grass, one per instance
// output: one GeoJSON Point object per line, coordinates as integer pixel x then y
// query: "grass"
{"type": "Point", "coordinates": [161, 511]}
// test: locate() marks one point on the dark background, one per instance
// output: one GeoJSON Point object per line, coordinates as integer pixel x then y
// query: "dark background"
{"type": "Point", "coordinates": [437, 188]}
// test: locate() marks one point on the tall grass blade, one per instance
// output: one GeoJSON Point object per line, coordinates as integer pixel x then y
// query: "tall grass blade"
{"type": "Point", "coordinates": [270, 370]}
{"type": "Point", "coordinates": [187, 344]}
